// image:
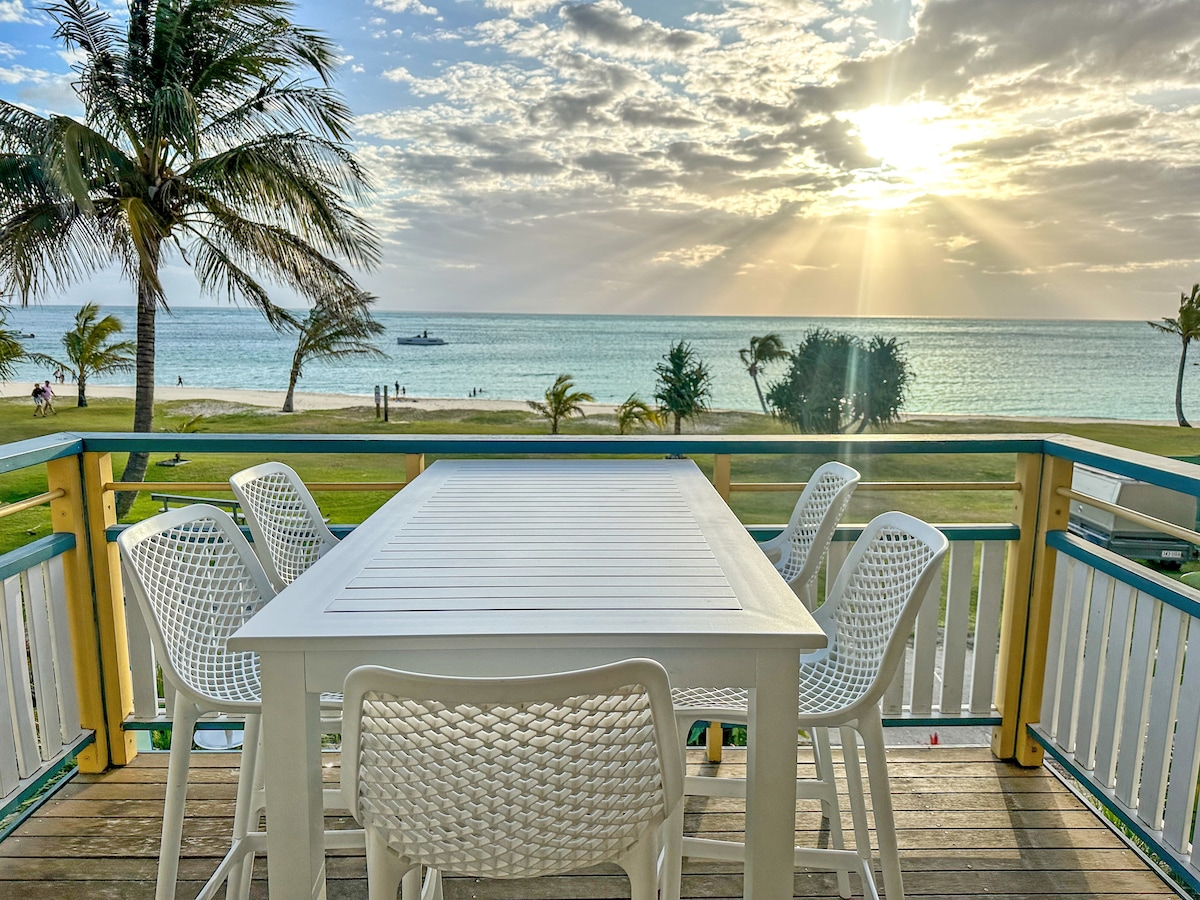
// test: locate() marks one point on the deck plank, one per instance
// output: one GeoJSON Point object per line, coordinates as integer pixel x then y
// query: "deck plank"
{"type": "Point", "coordinates": [967, 826]}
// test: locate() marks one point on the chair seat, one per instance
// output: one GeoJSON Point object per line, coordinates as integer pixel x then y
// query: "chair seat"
{"type": "Point", "coordinates": [732, 701]}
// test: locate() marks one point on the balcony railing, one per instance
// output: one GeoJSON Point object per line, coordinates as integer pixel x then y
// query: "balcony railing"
{"type": "Point", "coordinates": [1059, 645]}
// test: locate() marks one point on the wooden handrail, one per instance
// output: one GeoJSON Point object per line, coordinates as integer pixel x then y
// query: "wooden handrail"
{"type": "Point", "coordinates": [176, 486]}
{"type": "Point", "coordinates": [766, 486]}
{"type": "Point", "coordinates": [1169, 528]}
{"type": "Point", "coordinates": [30, 502]}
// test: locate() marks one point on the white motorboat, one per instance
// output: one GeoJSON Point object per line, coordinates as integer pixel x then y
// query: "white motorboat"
{"type": "Point", "coordinates": [420, 340]}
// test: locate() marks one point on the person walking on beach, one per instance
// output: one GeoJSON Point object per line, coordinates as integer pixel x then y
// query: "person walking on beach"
{"type": "Point", "coordinates": [39, 398]}
{"type": "Point", "coordinates": [179, 381]}
{"type": "Point", "coordinates": [48, 399]}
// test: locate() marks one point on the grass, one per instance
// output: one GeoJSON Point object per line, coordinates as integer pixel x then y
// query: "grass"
{"type": "Point", "coordinates": [17, 423]}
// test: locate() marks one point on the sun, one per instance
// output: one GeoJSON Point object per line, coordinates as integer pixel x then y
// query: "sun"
{"type": "Point", "coordinates": [914, 143]}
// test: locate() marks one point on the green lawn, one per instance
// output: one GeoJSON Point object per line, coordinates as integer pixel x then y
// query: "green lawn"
{"type": "Point", "coordinates": [17, 423]}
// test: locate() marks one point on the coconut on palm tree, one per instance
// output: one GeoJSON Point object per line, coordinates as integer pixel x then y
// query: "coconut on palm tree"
{"type": "Point", "coordinates": [91, 350]}
{"type": "Point", "coordinates": [202, 140]}
{"type": "Point", "coordinates": [333, 329]}
{"type": "Point", "coordinates": [684, 383]}
{"type": "Point", "coordinates": [636, 413]}
{"type": "Point", "coordinates": [1186, 327]}
{"type": "Point", "coordinates": [761, 352]}
{"type": "Point", "coordinates": [562, 401]}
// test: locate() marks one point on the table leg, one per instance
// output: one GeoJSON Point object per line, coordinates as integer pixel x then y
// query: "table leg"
{"type": "Point", "coordinates": [292, 759]}
{"type": "Point", "coordinates": [771, 777]}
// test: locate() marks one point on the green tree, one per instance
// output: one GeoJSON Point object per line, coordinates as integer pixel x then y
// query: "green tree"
{"type": "Point", "coordinates": [202, 139]}
{"type": "Point", "coordinates": [684, 384]}
{"type": "Point", "coordinates": [1186, 327]}
{"type": "Point", "coordinates": [835, 382]}
{"type": "Point", "coordinates": [761, 352]}
{"type": "Point", "coordinates": [11, 349]}
{"type": "Point", "coordinates": [562, 401]}
{"type": "Point", "coordinates": [635, 413]}
{"type": "Point", "coordinates": [90, 348]}
{"type": "Point", "coordinates": [333, 329]}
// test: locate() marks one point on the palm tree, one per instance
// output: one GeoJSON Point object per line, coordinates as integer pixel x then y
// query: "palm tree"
{"type": "Point", "coordinates": [11, 351]}
{"type": "Point", "coordinates": [635, 413]}
{"type": "Point", "coordinates": [684, 383]}
{"type": "Point", "coordinates": [334, 329]}
{"type": "Point", "coordinates": [90, 350]}
{"type": "Point", "coordinates": [562, 402]}
{"type": "Point", "coordinates": [201, 136]}
{"type": "Point", "coordinates": [1186, 327]}
{"type": "Point", "coordinates": [762, 350]}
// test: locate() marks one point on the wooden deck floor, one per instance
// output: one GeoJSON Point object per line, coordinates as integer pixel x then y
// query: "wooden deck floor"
{"type": "Point", "coordinates": [968, 826]}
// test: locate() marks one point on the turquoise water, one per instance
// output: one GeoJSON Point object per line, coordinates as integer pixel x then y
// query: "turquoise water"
{"type": "Point", "coordinates": [1119, 370]}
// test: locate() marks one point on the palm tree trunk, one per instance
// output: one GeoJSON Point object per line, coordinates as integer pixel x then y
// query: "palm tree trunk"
{"type": "Point", "coordinates": [81, 383]}
{"type": "Point", "coordinates": [678, 423]}
{"type": "Point", "coordinates": [1183, 423]}
{"type": "Point", "coordinates": [763, 402]}
{"type": "Point", "coordinates": [143, 398]}
{"type": "Point", "coordinates": [289, 400]}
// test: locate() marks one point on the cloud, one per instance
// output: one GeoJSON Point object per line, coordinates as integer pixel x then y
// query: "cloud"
{"type": "Point", "coordinates": [691, 257]}
{"type": "Point", "coordinates": [610, 25]}
{"type": "Point", "coordinates": [399, 6]}
{"type": "Point", "coordinates": [15, 11]}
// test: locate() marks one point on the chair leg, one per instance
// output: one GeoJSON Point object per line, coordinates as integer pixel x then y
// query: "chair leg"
{"type": "Point", "coordinates": [641, 865]}
{"type": "Point", "coordinates": [238, 887]}
{"type": "Point", "coordinates": [858, 799]}
{"type": "Point", "coordinates": [385, 870]}
{"type": "Point", "coordinates": [830, 809]}
{"type": "Point", "coordinates": [183, 725]}
{"type": "Point", "coordinates": [671, 870]}
{"type": "Point", "coordinates": [871, 727]}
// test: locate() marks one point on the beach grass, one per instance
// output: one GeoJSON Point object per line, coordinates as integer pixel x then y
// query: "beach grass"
{"type": "Point", "coordinates": [17, 423]}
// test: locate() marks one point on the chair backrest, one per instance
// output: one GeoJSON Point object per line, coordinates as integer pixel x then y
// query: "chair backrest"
{"type": "Point", "coordinates": [871, 611]}
{"type": "Point", "coordinates": [289, 533]}
{"type": "Point", "coordinates": [511, 777]}
{"type": "Point", "coordinates": [196, 581]}
{"type": "Point", "coordinates": [814, 519]}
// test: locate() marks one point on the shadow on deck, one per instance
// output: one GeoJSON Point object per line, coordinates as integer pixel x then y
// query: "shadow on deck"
{"type": "Point", "coordinates": [968, 826]}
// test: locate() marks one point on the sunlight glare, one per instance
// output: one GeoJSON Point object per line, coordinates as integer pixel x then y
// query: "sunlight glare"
{"type": "Point", "coordinates": [914, 143]}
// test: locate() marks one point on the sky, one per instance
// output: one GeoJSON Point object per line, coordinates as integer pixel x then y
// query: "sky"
{"type": "Point", "coordinates": [978, 158]}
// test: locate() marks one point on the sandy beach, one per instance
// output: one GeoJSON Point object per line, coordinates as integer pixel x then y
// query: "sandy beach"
{"type": "Point", "coordinates": [66, 395]}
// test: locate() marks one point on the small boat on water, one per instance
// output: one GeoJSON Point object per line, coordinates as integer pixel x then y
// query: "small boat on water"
{"type": "Point", "coordinates": [420, 340]}
{"type": "Point", "coordinates": [25, 334]}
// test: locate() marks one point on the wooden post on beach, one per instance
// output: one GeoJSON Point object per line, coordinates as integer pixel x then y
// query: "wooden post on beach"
{"type": "Point", "coordinates": [377, 401]}
{"type": "Point", "coordinates": [385, 403]}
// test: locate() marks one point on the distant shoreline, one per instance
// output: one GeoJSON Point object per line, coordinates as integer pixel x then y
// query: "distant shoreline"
{"type": "Point", "coordinates": [305, 401]}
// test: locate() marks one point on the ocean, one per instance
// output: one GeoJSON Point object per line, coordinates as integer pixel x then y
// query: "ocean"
{"type": "Point", "coordinates": [1091, 369]}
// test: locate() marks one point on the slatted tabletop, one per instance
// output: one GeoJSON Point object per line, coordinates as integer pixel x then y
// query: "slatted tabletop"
{"type": "Point", "coordinates": [545, 535]}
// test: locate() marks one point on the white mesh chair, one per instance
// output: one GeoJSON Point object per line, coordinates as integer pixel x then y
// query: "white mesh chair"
{"type": "Point", "coordinates": [797, 550]}
{"type": "Point", "coordinates": [289, 532]}
{"type": "Point", "coordinates": [868, 618]}
{"type": "Point", "coordinates": [515, 777]}
{"type": "Point", "coordinates": [196, 581]}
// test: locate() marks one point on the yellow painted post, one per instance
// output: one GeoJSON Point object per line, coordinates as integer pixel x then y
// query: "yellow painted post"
{"type": "Point", "coordinates": [722, 466]}
{"type": "Point", "coordinates": [414, 465]}
{"type": "Point", "coordinates": [712, 739]}
{"type": "Point", "coordinates": [110, 607]}
{"type": "Point", "coordinates": [67, 516]}
{"type": "Point", "coordinates": [1028, 594]}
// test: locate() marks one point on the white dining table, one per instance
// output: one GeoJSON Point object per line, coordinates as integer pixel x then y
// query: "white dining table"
{"type": "Point", "coordinates": [517, 567]}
